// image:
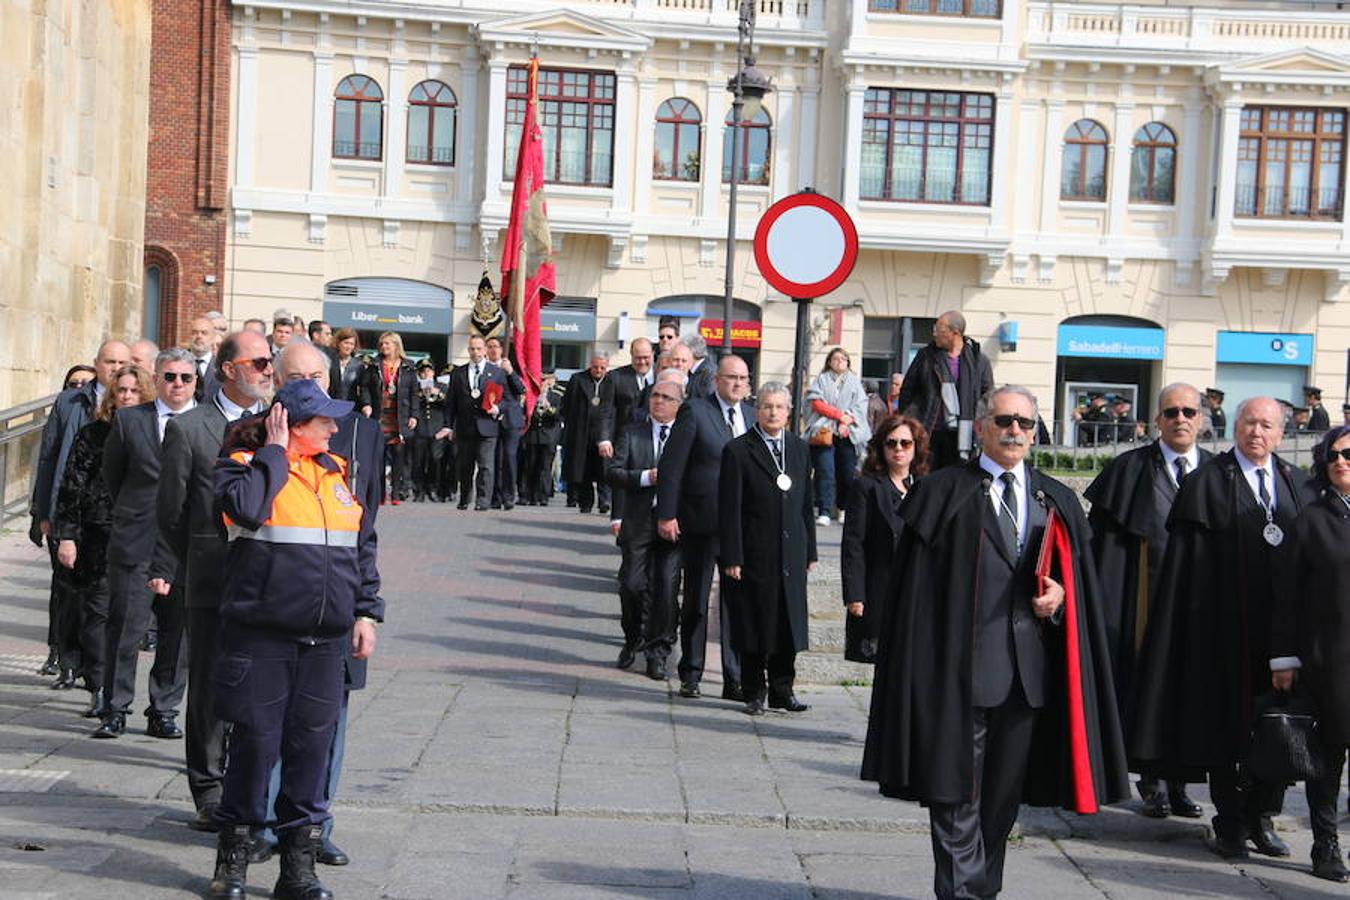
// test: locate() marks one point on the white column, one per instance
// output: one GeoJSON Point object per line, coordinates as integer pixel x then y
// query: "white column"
{"type": "Point", "coordinates": [1053, 158]}
{"type": "Point", "coordinates": [496, 130]}
{"type": "Point", "coordinates": [1029, 146]}
{"type": "Point", "coordinates": [1189, 187]}
{"type": "Point", "coordinates": [1230, 122]}
{"type": "Point", "coordinates": [466, 138]}
{"type": "Point", "coordinates": [322, 148]}
{"type": "Point", "coordinates": [1008, 40]}
{"type": "Point", "coordinates": [853, 122]}
{"type": "Point", "coordinates": [246, 128]}
{"type": "Point", "coordinates": [625, 114]}
{"type": "Point", "coordinates": [1118, 188]}
{"type": "Point", "coordinates": [782, 179]}
{"type": "Point", "coordinates": [1003, 160]}
{"type": "Point", "coordinates": [807, 138]}
{"type": "Point", "coordinates": [710, 205]}
{"type": "Point", "coordinates": [396, 127]}
{"type": "Point", "coordinates": [646, 139]}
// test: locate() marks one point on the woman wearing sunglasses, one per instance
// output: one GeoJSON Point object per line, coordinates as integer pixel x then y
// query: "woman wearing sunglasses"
{"type": "Point", "coordinates": [1312, 628]}
{"type": "Point", "coordinates": [896, 455]}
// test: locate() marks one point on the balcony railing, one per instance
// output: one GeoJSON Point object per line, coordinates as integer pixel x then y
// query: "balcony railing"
{"type": "Point", "coordinates": [1217, 27]}
{"type": "Point", "coordinates": [356, 150]}
{"type": "Point", "coordinates": [1288, 202]}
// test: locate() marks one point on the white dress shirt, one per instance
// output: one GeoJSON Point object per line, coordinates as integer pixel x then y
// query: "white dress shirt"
{"type": "Point", "coordinates": [232, 410]}
{"type": "Point", "coordinates": [740, 427]}
{"type": "Point", "coordinates": [645, 479]}
{"type": "Point", "coordinates": [1019, 473]}
{"type": "Point", "coordinates": [163, 414]}
{"type": "Point", "coordinates": [1171, 456]}
{"type": "Point", "coordinates": [1249, 470]}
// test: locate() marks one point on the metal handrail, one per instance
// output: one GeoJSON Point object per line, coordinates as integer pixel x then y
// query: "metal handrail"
{"type": "Point", "coordinates": [17, 424]}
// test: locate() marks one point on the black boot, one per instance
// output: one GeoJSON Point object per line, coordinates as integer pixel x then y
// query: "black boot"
{"type": "Point", "coordinates": [66, 680]}
{"type": "Point", "coordinates": [299, 848]}
{"type": "Point", "coordinates": [98, 705]}
{"type": "Point", "coordinates": [232, 847]}
{"type": "Point", "coordinates": [53, 663]}
{"type": "Point", "coordinates": [1326, 860]}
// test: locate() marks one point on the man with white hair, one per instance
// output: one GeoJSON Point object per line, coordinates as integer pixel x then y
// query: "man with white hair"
{"type": "Point", "coordinates": [143, 354]}
{"type": "Point", "coordinates": [1206, 654]}
{"type": "Point", "coordinates": [586, 413]}
{"type": "Point", "coordinates": [702, 377]}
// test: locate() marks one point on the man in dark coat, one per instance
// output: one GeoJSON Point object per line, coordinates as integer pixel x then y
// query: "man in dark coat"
{"type": "Point", "coordinates": [190, 547]}
{"type": "Point", "coordinates": [474, 429]}
{"type": "Point", "coordinates": [973, 711]}
{"type": "Point", "coordinates": [1131, 500]}
{"type": "Point", "coordinates": [509, 428]}
{"type": "Point", "coordinates": [649, 576]}
{"type": "Point", "coordinates": [540, 443]}
{"type": "Point", "coordinates": [702, 380]}
{"type": "Point", "coordinates": [1206, 653]}
{"type": "Point", "coordinates": [942, 386]}
{"type": "Point", "coordinates": [631, 383]}
{"type": "Point", "coordinates": [686, 510]}
{"type": "Point", "coordinates": [587, 414]}
{"type": "Point", "coordinates": [767, 544]}
{"type": "Point", "coordinates": [1218, 420]}
{"type": "Point", "coordinates": [1318, 418]}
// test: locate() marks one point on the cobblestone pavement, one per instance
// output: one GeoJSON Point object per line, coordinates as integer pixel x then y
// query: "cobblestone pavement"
{"type": "Point", "coordinates": [497, 753]}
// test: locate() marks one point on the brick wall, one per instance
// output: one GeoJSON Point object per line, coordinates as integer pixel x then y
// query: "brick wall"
{"type": "Point", "coordinates": [188, 158]}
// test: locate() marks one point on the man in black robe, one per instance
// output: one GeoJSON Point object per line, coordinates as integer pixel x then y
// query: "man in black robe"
{"type": "Point", "coordinates": [587, 415]}
{"type": "Point", "coordinates": [1131, 500]}
{"type": "Point", "coordinates": [767, 541]}
{"type": "Point", "coordinates": [973, 711]}
{"type": "Point", "coordinates": [1206, 653]}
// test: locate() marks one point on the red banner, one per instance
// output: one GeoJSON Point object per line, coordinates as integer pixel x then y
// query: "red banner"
{"type": "Point", "coordinates": [747, 335]}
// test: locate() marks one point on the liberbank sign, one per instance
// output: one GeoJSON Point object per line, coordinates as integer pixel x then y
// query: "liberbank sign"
{"type": "Point", "coordinates": [1110, 342]}
{"type": "Point", "coordinates": [387, 317]}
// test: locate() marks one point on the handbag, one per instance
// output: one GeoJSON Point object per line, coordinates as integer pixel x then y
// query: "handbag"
{"type": "Point", "coordinates": [821, 437]}
{"type": "Point", "coordinates": [1286, 746]}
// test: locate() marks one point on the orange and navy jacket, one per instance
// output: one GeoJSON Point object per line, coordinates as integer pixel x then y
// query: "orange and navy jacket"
{"type": "Point", "coordinates": [295, 550]}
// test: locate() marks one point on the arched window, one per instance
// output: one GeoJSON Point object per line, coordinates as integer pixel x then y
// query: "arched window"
{"type": "Point", "coordinates": [1084, 176]}
{"type": "Point", "coordinates": [1153, 164]}
{"type": "Point", "coordinates": [431, 124]}
{"type": "Point", "coordinates": [753, 153]}
{"type": "Point", "coordinates": [678, 123]}
{"type": "Point", "coordinates": [358, 120]}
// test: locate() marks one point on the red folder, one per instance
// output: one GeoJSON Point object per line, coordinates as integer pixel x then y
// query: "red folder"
{"type": "Point", "coordinates": [492, 395]}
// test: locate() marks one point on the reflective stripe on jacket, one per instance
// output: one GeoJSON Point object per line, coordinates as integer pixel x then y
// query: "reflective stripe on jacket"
{"type": "Point", "coordinates": [294, 529]}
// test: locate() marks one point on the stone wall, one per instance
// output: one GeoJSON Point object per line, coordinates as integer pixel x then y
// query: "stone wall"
{"type": "Point", "coordinates": [74, 87]}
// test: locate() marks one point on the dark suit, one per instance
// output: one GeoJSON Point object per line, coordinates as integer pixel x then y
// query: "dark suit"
{"type": "Point", "coordinates": [131, 470]}
{"type": "Point", "coordinates": [703, 380]}
{"type": "Point", "coordinates": [629, 395]}
{"type": "Point", "coordinates": [687, 491]}
{"type": "Point", "coordinates": [649, 577]}
{"type": "Point", "coordinates": [208, 378]}
{"type": "Point", "coordinates": [510, 425]}
{"type": "Point", "coordinates": [475, 432]}
{"type": "Point", "coordinates": [349, 384]}
{"type": "Point", "coordinates": [190, 553]}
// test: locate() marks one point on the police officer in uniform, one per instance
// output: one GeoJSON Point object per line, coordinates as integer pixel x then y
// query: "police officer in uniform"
{"type": "Point", "coordinates": [291, 599]}
{"type": "Point", "coordinates": [1218, 421]}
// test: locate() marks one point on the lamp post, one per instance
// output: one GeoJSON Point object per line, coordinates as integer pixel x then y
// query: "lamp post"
{"type": "Point", "coordinates": [748, 87]}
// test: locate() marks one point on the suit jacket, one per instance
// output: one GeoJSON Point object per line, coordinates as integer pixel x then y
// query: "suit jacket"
{"type": "Point", "coordinates": [405, 389]}
{"type": "Point", "coordinates": [71, 411]}
{"type": "Point", "coordinates": [703, 381]}
{"type": "Point", "coordinates": [512, 404]}
{"type": "Point", "coordinates": [208, 381]}
{"type": "Point", "coordinates": [692, 463]}
{"type": "Point", "coordinates": [464, 412]}
{"type": "Point", "coordinates": [349, 384]}
{"type": "Point", "coordinates": [191, 536]}
{"type": "Point", "coordinates": [634, 454]}
{"type": "Point", "coordinates": [627, 399]}
{"type": "Point", "coordinates": [131, 471]}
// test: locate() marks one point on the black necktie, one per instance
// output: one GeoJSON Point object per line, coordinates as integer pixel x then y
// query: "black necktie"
{"type": "Point", "coordinates": [1261, 488]}
{"type": "Point", "coordinates": [474, 386]}
{"type": "Point", "coordinates": [661, 441]}
{"type": "Point", "coordinates": [1007, 514]}
{"type": "Point", "coordinates": [777, 452]}
{"type": "Point", "coordinates": [1181, 464]}
{"type": "Point", "coordinates": [731, 419]}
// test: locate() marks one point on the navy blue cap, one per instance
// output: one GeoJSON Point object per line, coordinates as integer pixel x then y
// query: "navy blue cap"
{"type": "Point", "coordinates": [304, 400]}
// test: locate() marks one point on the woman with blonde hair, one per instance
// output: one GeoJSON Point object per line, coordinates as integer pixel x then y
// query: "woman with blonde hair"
{"type": "Point", "coordinates": [391, 391]}
{"type": "Point", "coordinates": [81, 526]}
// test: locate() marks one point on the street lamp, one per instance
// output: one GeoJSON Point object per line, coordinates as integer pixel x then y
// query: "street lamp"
{"type": "Point", "coordinates": [748, 87]}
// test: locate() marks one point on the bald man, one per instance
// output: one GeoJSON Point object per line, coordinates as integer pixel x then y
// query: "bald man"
{"type": "Point", "coordinates": [202, 345]}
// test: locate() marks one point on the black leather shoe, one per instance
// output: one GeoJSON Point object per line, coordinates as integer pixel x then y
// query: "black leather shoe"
{"type": "Point", "coordinates": [689, 689]}
{"type": "Point", "coordinates": [1266, 841]}
{"type": "Point", "coordinates": [330, 854]}
{"type": "Point", "coordinates": [478, 507]}
{"type": "Point", "coordinates": [656, 669]}
{"type": "Point", "coordinates": [461, 506]}
{"type": "Point", "coordinates": [204, 820]}
{"type": "Point", "coordinates": [732, 690]}
{"type": "Point", "coordinates": [1326, 860]}
{"type": "Point", "coordinates": [114, 726]}
{"type": "Point", "coordinates": [98, 705]}
{"type": "Point", "coordinates": [604, 508]}
{"type": "Point", "coordinates": [1229, 848]}
{"type": "Point", "coordinates": [754, 707]}
{"type": "Point", "coordinates": [626, 656]}
{"type": "Point", "coordinates": [1157, 806]}
{"type": "Point", "coordinates": [790, 703]}
{"type": "Point", "coordinates": [52, 665]}
{"type": "Point", "coordinates": [1182, 805]}
{"type": "Point", "coordinates": [65, 680]}
{"type": "Point", "coordinates": [508, 505]}
{"type": "Point", "coordinates": [163, 727]}
{"type": "Point", "coordinates": [260, 849]}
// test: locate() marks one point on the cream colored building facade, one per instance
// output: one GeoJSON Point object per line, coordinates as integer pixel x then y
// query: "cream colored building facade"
{"type": "Point", "coordinates": [1230, 275]}
{"type": "Point", "coordinates": [73, 130]}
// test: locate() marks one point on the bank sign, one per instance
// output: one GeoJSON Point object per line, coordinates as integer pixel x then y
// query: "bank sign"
{"type": "Point", "coordinates": [1264, 348]}
{"type": "Point", "coordinates": [566, 326]}
{"type": "Point", "coordinates": [382, 317]}
{"type": "Point", "coordinates": [1110, 342]}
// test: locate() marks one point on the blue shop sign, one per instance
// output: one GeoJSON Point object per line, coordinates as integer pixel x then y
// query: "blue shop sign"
{"type": "Point", "coordinates": [1265, 348]}
{"type": "Point", "coordinates": [1110, 342]}
{"type": "Point", "coordinates": [387, 317]}
{"type": "Point", "coordinates": [566, 326]}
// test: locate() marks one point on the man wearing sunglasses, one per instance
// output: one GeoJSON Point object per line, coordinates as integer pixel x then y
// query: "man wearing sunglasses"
{"type": "Point", "coordinates": [1131, 500]}
{"type": "Point", "coordinates": [1206, 654]}
{"type": "Point", "coordinates": [973, 656]}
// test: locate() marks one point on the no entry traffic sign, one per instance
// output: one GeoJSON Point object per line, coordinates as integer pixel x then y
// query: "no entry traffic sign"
{"type": "Point", "coordinates": [806, 245]}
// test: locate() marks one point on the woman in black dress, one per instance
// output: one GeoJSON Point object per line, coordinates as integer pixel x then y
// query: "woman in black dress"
{"type": "Point", "coordinates": [1312, 627]}
{"type": "Point", "coordinates": [896, 455]}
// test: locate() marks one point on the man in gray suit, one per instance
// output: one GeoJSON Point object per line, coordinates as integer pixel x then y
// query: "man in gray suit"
{"type": "Point", "coordinates": [191, 544]}
{"type": "Point", "coordinates": [131, 472]}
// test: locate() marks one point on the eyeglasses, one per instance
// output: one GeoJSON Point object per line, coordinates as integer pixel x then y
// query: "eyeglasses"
{"type": "Point", "coordinates": [899, 443]}
{"type": "Point", "coordinates": [185, 377]}
{"type": "Point", "coordinates": [1005, 420]}
{"type": "Point", "coordinates": [1343, 453]}
{"type": "Point", "coordinates": [260, 363]}
{"type": "Point", "coordinates": [77, 382]}
{"type": "Point", "coordinates": [1176, 412]}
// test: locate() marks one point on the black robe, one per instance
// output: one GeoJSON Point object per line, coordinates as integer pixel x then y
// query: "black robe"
{"type": "Point", "coordinates": [1206, 652]}
{"type": "Point", "coordinates": [584, 423]}
{"type": "Point", "coordinates": [919, 735]}
{"type": "Point", "coordinates": [867, 553]}
{"type": "Point", "coordinates": [771, 534]}
{"type": "Point", "coordinates": [1129, 539]}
